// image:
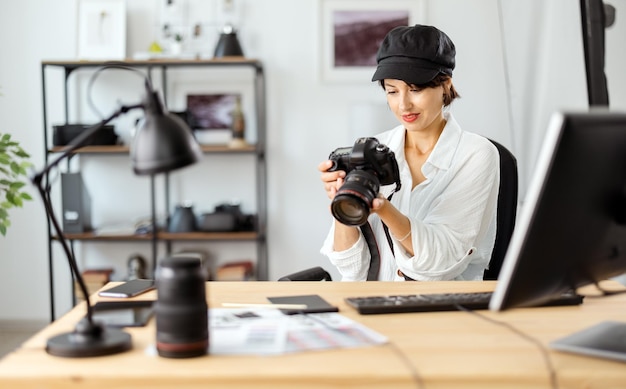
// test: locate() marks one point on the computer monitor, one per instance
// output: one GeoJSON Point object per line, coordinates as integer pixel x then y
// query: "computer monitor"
{"type": "Point", "coordinates": [572, 228]}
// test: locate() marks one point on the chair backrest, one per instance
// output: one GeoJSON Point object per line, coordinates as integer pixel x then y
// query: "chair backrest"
{"type": "Point", "coordinates": [312, 274]}
{"type": "Point", "coordinates": [507, 210]}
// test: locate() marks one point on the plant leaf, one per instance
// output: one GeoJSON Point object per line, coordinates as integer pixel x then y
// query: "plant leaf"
{"type": "Point", "coordinates": [17, 185]}
{"type": "Point", "coordinates": [17, 201]}
{"type": "Point", "coordinates": [21, 153]}
{"type": "Point", "coordinates": [15, 167]}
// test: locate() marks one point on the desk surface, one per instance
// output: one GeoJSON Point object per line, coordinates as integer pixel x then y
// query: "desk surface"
{"type": "Point", "coordinates": [426, 350]}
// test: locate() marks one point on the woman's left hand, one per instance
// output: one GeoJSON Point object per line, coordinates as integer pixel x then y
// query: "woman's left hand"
{"type": "Point", "coordinates": [399, 224]}
{"type": "Point", "coordinates": [379, 203]}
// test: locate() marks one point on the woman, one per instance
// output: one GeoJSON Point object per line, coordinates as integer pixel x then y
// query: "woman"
{"type": "Point", "coordinates": [442, 222]}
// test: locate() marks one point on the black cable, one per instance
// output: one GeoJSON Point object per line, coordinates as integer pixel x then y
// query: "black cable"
{"type": "Point", "coordinates": [405, 359]}
{"type": "Point", "coordinates": [606, 292]}
{"type": "Point", "coordinates": [544, 352]}
{"type": "Point", "coordinates": [111, 65]}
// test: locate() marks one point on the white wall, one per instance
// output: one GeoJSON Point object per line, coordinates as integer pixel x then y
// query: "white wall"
{"type": "Point", "coordinates": [505, 97]}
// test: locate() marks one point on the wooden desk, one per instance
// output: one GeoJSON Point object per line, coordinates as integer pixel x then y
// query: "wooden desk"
{"type": "Point", "coordinates": [446, 349]}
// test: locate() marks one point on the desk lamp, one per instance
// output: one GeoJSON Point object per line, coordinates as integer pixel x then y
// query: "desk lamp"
{"type": "Point", "coordinates": [163, 143]}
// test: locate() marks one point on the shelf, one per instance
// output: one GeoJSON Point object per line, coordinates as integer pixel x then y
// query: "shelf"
{"type": "Point", "coordinates": [166, 236]}
{"type": "Point", "coordinates": [244, 235]}
{"type": "Point", "coordinates": [254, 153]}
{"type": "Point", "coordinates": [226, 61]}
{"type": "Point", "coordinates": [94, 150]}
{"type": "Point", "coordinates": [225, 149]}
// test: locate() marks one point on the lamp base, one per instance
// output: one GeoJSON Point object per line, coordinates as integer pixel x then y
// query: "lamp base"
{"type": "Point", "coordinates": [89, 340]}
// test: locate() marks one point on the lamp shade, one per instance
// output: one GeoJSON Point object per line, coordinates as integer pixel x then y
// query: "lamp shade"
{"type": "Point", "coordinates": [228, 44]}
{"type": "Point", "coordinates": [164, 142]}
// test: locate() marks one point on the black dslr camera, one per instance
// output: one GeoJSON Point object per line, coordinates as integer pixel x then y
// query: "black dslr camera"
{"type": "Point", "coordinates": [368, 165]}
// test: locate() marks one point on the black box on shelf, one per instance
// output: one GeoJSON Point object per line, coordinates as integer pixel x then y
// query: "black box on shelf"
{"type": "Point", "coordinates": [63, 134]}
{"type": "Point", "coordinates": [76, 203]}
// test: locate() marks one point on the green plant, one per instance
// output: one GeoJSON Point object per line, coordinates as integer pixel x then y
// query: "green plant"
{"type": "Point", "coordinates": [13, 170]}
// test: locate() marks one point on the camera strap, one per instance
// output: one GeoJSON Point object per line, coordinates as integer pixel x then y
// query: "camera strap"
{"type": "Point", "coordinates": [389, 239]}
{"type": "Point", "coordinates": [368, 234]}
{"type": "Point", "coordinates": [387, 230]}
{"type": "Point", "coordinates": [406, 278]}
{"type": "Point", "coordinates": [374, 269]}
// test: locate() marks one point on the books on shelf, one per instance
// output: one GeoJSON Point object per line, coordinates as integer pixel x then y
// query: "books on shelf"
{"type": "Point", "coordinates": [97, 275]}
{"type": "Point", "coordinates": [94, 280]}
{"type": "Point", "coordinates": [214, 136]}
{"type": "Point", "coordinates": [235, 271]}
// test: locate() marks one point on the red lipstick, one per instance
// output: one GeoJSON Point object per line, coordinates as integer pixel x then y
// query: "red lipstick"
{"type": "Point", "coordinates": [411, 117]}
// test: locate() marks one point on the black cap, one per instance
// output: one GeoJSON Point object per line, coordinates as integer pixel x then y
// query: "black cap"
{"type": "Point", "coordinates": [415, 55]}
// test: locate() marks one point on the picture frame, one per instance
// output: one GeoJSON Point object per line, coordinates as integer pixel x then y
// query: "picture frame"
{"type": "Point", "coordinates": [211, 111]}
{"type": "Point", "coordinates": [210, 116]}
{"type": "Point", "coordinates": [352, 30]}
{"type": "Point", "coordinates": [101, 29]}
{"type": "Point", "coordinates": [186, 83]}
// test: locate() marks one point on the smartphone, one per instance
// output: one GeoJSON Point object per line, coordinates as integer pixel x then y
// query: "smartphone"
{"type": "Point", "coordinates": [314, 304]}
{"type": "Point", "coordinates": [129, 288]}
{"type": "Point", "coordinates": [123, 313]}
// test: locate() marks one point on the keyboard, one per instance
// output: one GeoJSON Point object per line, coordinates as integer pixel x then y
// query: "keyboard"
{"type": "Point", "coordinates": [434, 302]}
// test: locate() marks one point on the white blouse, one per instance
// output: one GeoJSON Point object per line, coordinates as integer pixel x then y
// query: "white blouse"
{"type": "Point", "coordinates": [452, 213]}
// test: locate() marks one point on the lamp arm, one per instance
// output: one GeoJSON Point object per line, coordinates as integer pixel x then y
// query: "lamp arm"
{"type": "Point", "coordinates": [68, 253]}
{"type": "Point", "coordinates": [37, 181]}
{"type": "Point", "coordinates": [81, 139]}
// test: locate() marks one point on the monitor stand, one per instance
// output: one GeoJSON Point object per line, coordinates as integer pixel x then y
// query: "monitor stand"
{"type": "Point", "coordinates": [604, 340]}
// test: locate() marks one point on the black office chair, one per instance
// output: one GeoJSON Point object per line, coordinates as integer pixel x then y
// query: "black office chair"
{"type": "Point", "coordinates": [507, 210]}
{"type": "Point", "coordinates": [505, 222]}
{"type": "Point", "coordinates": [313, 274]}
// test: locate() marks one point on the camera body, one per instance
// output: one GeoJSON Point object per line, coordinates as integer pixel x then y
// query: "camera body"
{"type": "Point", "coordinates": [370, 155]}
{"type": "Point", "coordinates": [368, 165]}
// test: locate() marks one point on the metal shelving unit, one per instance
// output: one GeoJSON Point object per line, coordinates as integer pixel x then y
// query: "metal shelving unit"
{"type": "Point", "coordinates": [259, 235]}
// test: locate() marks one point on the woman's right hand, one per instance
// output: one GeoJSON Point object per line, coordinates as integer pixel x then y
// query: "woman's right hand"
{"type": "Point", "coordinates": [332, 180]}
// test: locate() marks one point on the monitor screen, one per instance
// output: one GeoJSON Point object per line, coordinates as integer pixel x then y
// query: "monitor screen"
{"type": "Point", "coordinates": [571, 230]}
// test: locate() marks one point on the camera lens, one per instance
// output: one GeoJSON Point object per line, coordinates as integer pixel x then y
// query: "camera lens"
{"type": "Point", "coordinates": [351, 205]}
{"type": "Point", "coordinates": [181, 310]}
{"type": "Point", "coordinates": [350, 210]}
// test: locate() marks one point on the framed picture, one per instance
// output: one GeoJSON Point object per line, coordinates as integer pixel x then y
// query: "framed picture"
{"type": "Point", "coordinates": [208, 98]}
{"type": "Point", "coordinates": [101, 29]}
{"type": "Point", "coordinates": [210, 116]}
{"type": "Point", "coordinates": [352, 31]}
{"type": "Point", "coordinates": [211, 111]}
